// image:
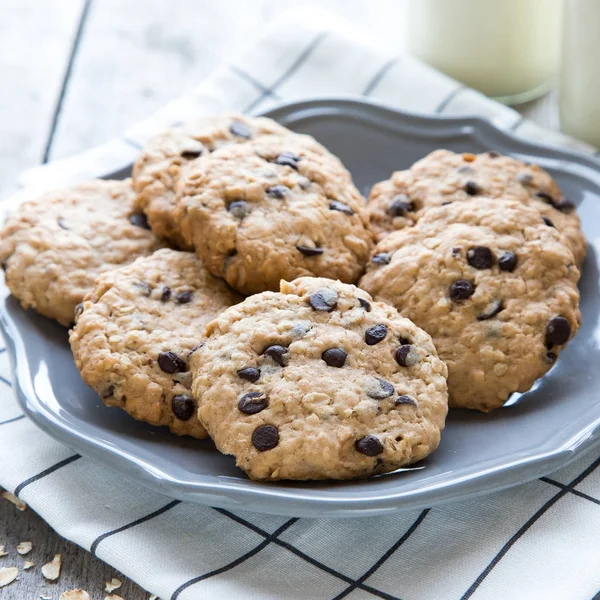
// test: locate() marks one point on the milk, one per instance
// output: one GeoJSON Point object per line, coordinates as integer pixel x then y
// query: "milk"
{"type": "Point", "coordinates": [580, 74]}
{"type": "Point", "coordinates": [508, 49]}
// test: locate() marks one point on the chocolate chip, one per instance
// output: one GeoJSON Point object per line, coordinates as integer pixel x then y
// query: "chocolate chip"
{"type": "Point", "coordinates": [78, 311]}
{"type": "Point", "coordinates": [461, 290]}
{"type": "Point", "coordinates": [480, 257]}
{"type": "Point", "coordinates": [493, 154]}
{"type": "Point", "coordinates": [491, 310]}
{"type": "Point", "coordinates": [375, 334]}
{"type": "Point", "coordinates": [240, 129]}
{"type": "Point", "coordinates": [277, 191]}
{"type": "Point", "coordinates": [472, 188]}
{"type": "Point", "coordinates": [380, 389]}
{"type": "Point", "coordinates": [369, 445]}
{"type": "Point", "coordinates": [138, 219]}
{"type": "Point", "coordinates": [165, 294]}
{"type": "Point", "coordinates": [365, 304]}
{"type": "Point", "coordinates": [324, 300]}
{"type": "Point", "coordinates": [170, 363]}
{"type": "Point", "coordinates": [183, 407]}
{"type": "Point", "coordinates": [144, 287]}
{"type": "Point", "coordinates": [62, 224]}
{"type": "Point", "coordinates": [253, 402]}
{"type": "Point", "coordinates": [265, 437]}
{"type": "Point", "coordinates": [340, 207]}
{"type": "Point", "coordinates": [309, 250]}
{"type": "Point", "coordinates": [334, 357]}
{"type": "Point", "coordinates": [304, 182]}
{"type": "Point", "coordinates": [565, 206]}
{"type": "Point", "coordinates": [405, 400]}
{"type": "Point", "coordinates": [287, 159]}
{"type": "Point", "coordinates": [525, 178]}
{"type": "Point", "coordinates": [548, 221]}
{"type": "Point", "coordinates": [407, 356]}
{"type": "Point", "coordinates": [558, 331]}
{"type": "Point", "coordinates": [251, 374]}
{"type": "Point", "coordinates": [191, 154]}
{"type": "Point", "coordinates": [547, 198]}
{"type": "Point", "coordinates": [400, 205]}
{"type": "Point", "coordinates": [383, 258]}
{"type": "Point", "coordinates": [279, 354]}
{"type": "Point", "coordinates": [184, 297]}
{"type": "Point", "coordinates": [456, 252]}
{"type": "Point", "coordinates": [108, 392]}
{"type": "Point", "coordinates": [508, 261]}
{"type": "Point", "coordinates": [403, 341]}
{"type": "Point", "coordinates": [551, 357]}
{"type": "Point", "coordinates": [239, 209]}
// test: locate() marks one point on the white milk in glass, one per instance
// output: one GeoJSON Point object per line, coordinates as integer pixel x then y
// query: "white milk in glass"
{"type": "Point", "coordinates": [580, 73]}
{"type": "Point", "coordinates": [508, 49]}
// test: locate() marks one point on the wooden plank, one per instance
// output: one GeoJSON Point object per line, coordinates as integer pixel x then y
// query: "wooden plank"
{"type": "Point", "coordinates": [35, 41]}
{"type": "Point", "coordinates": [135, 59]}
{"type": "Point", "coordinates": [79, 568]}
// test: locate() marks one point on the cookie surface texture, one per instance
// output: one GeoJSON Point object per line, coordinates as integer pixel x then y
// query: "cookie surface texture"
{"type": "Point", "coordinates": [135, 330]}
{"type": "Point", "coordinates": [269, 210]}
{"type": "Point", "coordinates": [443, 177]}
{"type": "Point", "coordinates": [157, 169]}
{"type": "Point", "coordinates": [53, 248]}
{"type": "Point", "coordinates": [319, 382]}
{"type": "Point", "coordinates": [494, 286]}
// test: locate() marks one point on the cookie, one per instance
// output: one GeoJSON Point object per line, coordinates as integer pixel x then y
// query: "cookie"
{"type": "Point", "coordinates": [271, 209]}
{"type": "Point", "coordinates": [53, 248]}
{"type": "Point", "coordinates": [157, 169]}
{"type": "Point", "coordinates": [135, 330]}
{"type": "Point", "coordinates": [319, 382]}
{"type": "Point", "coordinates": [494, 286]}
{"type": "Point", "coordinates": [444, 176]}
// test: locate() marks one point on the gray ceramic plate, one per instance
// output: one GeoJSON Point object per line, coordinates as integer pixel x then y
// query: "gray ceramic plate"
{"type": "Point", "coordinates": [543, 430]}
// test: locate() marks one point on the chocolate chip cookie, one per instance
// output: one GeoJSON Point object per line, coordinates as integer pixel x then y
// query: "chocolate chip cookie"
{"type": "Point", "coordinates": [157, 169]}
{"type": "Point", "coordinates": [319, 382]}
{"type": "Point", "coordinates": [272, 209]}
{"type": "Point", "coordinates": [443, 177]}
{"type": "Point", "coordinates": [492, 283]}
{"type": "Point", "coordinates": [53, 248]}
{"type": "Point", "coordinates": [135, 330]}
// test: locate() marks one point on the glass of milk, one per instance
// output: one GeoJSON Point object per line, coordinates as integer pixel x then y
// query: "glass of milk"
{"type": "Point", "coordinates": [580, 74]}
{"type": "Point", "coordinates": [508, 49]}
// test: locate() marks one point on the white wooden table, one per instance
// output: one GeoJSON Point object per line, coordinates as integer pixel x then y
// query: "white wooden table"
{"type": "Point", "coordinates": [75, 73]}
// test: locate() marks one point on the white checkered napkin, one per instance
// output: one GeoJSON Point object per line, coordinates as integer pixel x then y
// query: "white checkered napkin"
{"type": "Point", "coordinates": [539, 540]}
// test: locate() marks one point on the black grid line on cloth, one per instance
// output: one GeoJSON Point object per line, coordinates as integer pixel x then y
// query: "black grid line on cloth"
{"type": "Point", "coordinates": [517, 124]}
{"type": "Point", "coordinates": [379, 76]}
{"type": "Point", "coordinates": [444, 103]}
{"type": "Point", "coordinates": [565, 486]}
{"type": "Point", "coordinates": [234, 563]}
{"type": "Point", "coordinates": [12, 420]}
{"type": "Point", "coordinates": [259, 86]}
{"type": "Point", "coordinates": [526, 526]}
{"type": "Point", "coordinates": [2, 350]}
{"type": "Point", "coordinates": [387, 555]}
{"type": "Point", "coordinates": [139, 521]}
{"type": "Point", "coordinates": [85, 11]}
{"type": "Point", "coordinates": [45, 472]}
{"type": "Point", "coordinates": [302, 58]}
{"type": "Point", "coordinates": [5, 381]}
{"type": "Point", "coordinates": [306, 557]}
